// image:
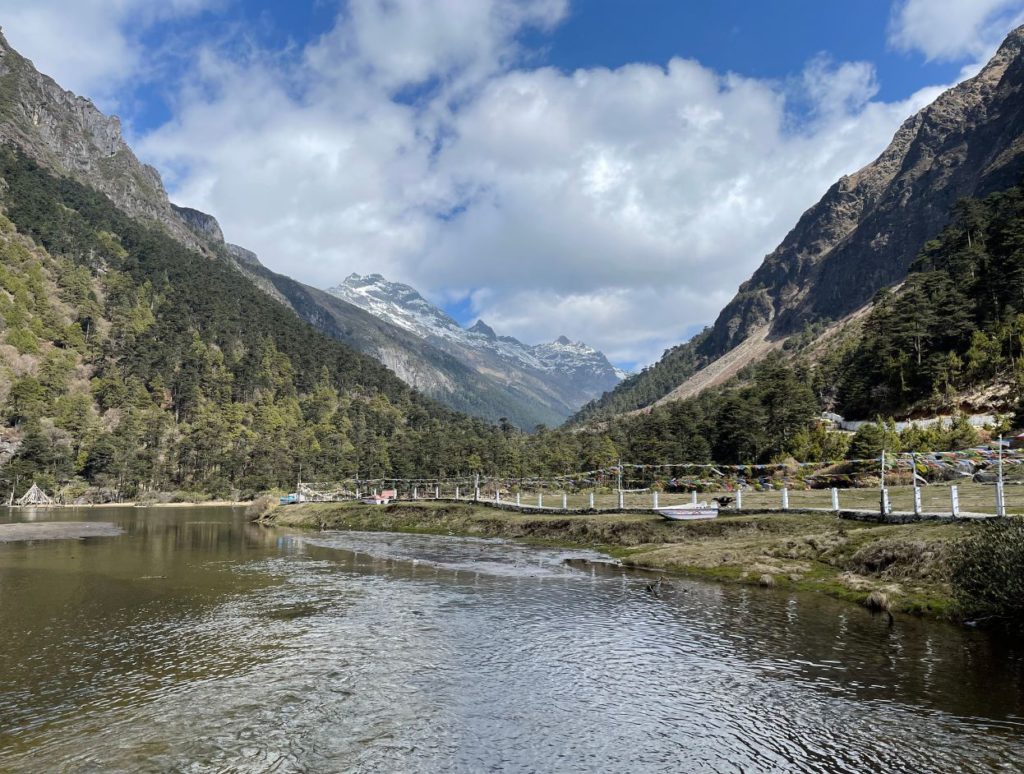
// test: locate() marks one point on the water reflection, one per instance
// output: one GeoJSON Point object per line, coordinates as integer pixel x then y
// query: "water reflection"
{"type": "Point", "coordinates": [196, 641]}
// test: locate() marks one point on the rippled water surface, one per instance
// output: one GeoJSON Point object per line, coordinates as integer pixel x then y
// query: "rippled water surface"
{"type": "Point", "coordinates": [196, 642]}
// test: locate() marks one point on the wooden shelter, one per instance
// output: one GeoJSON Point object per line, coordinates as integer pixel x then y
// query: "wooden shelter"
{"type": "Point", "coordinates": [35, 496]}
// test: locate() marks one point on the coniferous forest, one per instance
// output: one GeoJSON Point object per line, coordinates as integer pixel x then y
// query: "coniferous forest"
{"type": "Point", "coordinates": [957, 322]}
{"type": "Point", "coordinates": [134, 364]}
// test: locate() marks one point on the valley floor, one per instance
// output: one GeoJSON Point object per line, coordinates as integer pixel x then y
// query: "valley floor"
{"type": "Point", "coordinates": [908, 563]}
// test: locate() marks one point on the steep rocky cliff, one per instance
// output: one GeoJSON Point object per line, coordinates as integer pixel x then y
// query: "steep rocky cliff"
{"type": "Point", "coordinates": [864, 232]}
{"type": "Point", "coordinates": [69, 135]}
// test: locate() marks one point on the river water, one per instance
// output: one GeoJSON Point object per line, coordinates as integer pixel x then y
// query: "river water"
{"type": "Point", "coordinates": [196, 642]}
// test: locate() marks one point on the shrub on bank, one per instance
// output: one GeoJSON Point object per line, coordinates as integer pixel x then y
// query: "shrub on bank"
{"type": "Point", "coordinates": [261, 506]}
{"type": "Point", "coordinates": [988, 572]}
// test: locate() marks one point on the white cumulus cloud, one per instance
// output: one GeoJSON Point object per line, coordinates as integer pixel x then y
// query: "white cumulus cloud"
{"type": "Point", "coordinates": [953, 29]}
{"type": "Point", "coordinates": [91, 47]}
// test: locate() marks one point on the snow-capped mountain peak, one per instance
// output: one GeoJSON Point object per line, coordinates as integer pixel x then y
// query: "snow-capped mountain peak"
{"type": "Point", "coordinates": [483, 329]}
{"type": "Point", "coordinates": [581, 370]}
{"type": "Point", "coordinates": [400, 304]}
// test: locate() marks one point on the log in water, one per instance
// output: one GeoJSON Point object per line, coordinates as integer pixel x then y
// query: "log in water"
{"type": "Point", "coordinates": [198, 642]}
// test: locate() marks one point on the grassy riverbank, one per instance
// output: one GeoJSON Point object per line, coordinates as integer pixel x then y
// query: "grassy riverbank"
{"type": "Point", "coordinates": [908, 563]}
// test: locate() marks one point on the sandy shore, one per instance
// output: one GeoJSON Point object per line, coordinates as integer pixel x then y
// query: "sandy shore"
{"type": "Point", "coordinates": [208, 504]}
{"type": "Point", "coordinates": [57, 530]}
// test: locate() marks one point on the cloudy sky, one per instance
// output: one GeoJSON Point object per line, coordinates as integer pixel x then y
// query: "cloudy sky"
{"type": "Point", "coordinates": [606, 169]}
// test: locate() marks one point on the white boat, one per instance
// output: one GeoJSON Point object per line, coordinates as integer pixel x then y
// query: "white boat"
{"type": "Point", "coordinates": [689, 512]}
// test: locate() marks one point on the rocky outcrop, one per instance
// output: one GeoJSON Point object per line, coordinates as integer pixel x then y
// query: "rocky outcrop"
{"type": "Point", "coordinates": [69, 135]}
{"type": "Point", "coordinates": [868, 227]}
{"type": "Point", "coordinates": [201, 224]}
{"type": "Point", "coordinates": [243, 256]}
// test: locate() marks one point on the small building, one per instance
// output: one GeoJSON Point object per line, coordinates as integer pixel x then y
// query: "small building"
{"type": "Point", "coordinates": [383, 498]}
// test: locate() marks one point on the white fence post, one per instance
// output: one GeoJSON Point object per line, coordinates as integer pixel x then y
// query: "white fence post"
{"type": "Point", "coordinates": [884, 506]}
{"type": "Point", "coordinates": [591, 501]}
{"type": "Point", "coordinates": [540, 499]}
{"type": "Point", "coordinates": [456, 493]}
{"type": "Point", "coordinates": [835, 499]}
{"type": "Point", "coordinates": [437, 493]}
{"type": "Point", "coordinates": [497, 495]}
{"type": "Point", "coordinates": [654, 500]}
{"type": "Point", "coordinates": [1000, 494]}
{"type": "Point", "coordinates": [694, 496]}
{"type": "Point", "coordinates": [785, 498]}
{"type": "Point", "coordinates": [622, 500]}
{"type": "Point", "coordinates": [415, 493]}
{"type": "Point", "coordinates": [954, 500]}
{"type": "Point", "coordinates": [518, 497]}
{"type": "Point", "coordinates": [739, 499]}
{"type": "Point", "coordinates": [917, 501]}
{"type": "Point", "coordinates": [565, 501]}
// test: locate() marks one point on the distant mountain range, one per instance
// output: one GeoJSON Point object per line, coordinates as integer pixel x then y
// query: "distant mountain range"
{"type": "Point", "coordinates": [561, 375]}
{"type": "Point", "coordinates": [861, 236]}
{"type": "Point", "coordinates": [465, 369]}
{"type": "Point", "coordinates": [473, 370]}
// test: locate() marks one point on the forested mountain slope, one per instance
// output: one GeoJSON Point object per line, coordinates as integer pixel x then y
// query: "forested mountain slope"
{"type": "Point", "coordinates": [67, 135]}
{"type": "Point", "coordinates": [951, 334]}
{"type": "Point", "coordinates": [133, 363]}
{"type": "Point", "coordinates": [868, 227]}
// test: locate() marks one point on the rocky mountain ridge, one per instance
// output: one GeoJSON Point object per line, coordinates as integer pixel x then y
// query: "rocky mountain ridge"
{"type": "Point", "coordinates": [869, 226]}
{"type": "Point", "coordinates": [405, 307]}
{"type": "Point", "coordinates": [70, 135]}
{"type": "Point", "coordinates": [862, 235]}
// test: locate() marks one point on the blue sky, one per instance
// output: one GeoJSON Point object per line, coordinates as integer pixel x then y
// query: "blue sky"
{"type": "Point", "coordinates": [763, 40]}
{"type": "Point", "coordinates": [604, 169]}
